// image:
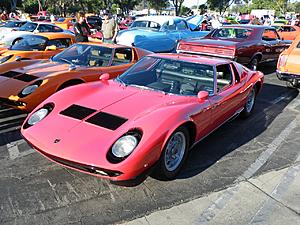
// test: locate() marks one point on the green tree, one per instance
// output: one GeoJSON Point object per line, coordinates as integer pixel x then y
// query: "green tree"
{"type": "Point", "coordinates": [219, 5]}
{"type": "Point", "coordinates": [158, 5]}
{"type": "Point", "coordinates": [177, 4]}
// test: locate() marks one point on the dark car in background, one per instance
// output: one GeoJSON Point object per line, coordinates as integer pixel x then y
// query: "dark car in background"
{"type": "Point", "coordinates": [95, 22]}
{"type": "Point", "coordinates": [246, 44]}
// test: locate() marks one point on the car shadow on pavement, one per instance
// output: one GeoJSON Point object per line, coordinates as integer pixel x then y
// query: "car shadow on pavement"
{"type": "Point", "coordinates": [237, 132]}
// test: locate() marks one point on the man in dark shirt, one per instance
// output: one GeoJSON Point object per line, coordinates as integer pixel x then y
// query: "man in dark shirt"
{"type": "Point", "coordinates": [81, 29]}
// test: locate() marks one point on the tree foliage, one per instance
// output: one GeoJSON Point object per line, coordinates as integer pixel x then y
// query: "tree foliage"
{"type": "Point", "coordinates": [177, 4]}
{"type": "Point", "coordinates": [220, 5]}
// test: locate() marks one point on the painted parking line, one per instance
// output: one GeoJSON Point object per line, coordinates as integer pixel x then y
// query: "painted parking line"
{"type": "Point", "coordinates": [14, 152]}
{"type": "Point", "coordinates": [210, 212]}
{"type": "Point", "coordinates": [265, 211]}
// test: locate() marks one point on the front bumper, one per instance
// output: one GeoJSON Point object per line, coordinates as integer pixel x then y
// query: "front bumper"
{"type": "Point", "coordinates": [14, 104]}
{"type": "Point", "coordinates": [286, 76]}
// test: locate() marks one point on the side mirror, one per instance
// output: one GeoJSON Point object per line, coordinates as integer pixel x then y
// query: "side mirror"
{"type": "Point", "coordinates": [36, 31]}
{"type": "Point", "coordinates": [18, 58]}
{"type": "Point", "coordinates": [104, 77]}
{"type": "Point", "coordinates": [51, 48]}
{"type": "Point", "coordinates": [202, 96]}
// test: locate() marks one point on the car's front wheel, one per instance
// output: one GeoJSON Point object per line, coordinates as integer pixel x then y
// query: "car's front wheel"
{"type": "Point", "coordinates": [173, 154]}
{"type": "Point", "coordinates": [254, 63]}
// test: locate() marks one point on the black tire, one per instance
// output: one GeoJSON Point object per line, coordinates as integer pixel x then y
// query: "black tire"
{"type": "Point", "coordinates": [253, 63]}
{"type": "Point", "coordinates": [248, 109]}
{"type": "Point", "coordinates": [292, 83]}
{"type": "Point", "coordinates": [161, 170]}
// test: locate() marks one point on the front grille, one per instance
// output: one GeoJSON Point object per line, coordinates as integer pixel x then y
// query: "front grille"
{"type": "Point", "coordinates": [106, 120]}
{"type": "Point", "coordinates": [77, 112]}
{"type": "Point", "coordinates": [10, 74]}
{"type": "Point", "coordinates": [26, 77]}
{"type": "Point", "coordinates": [82, 167]}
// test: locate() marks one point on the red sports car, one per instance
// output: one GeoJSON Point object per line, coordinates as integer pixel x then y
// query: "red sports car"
{"type": "Point", "coordinates": [150, 115]}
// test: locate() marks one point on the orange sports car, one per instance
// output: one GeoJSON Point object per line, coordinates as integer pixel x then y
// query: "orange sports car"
{"type": "Point", "coordinates": [26, 83]}
{"type": "Point", "coordinates": [288, 32]}
{"type": "Point", "coordinates": [65, 23]}
{"type": "Point", "coordinates": [32, 46]}
{"type": "Point", "coordinates": [288, 66]}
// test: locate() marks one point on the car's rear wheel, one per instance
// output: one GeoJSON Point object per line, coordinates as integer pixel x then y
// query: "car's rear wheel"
{"type": "Point", "coordinates": [254, 63]}
{"type": "Point", "coordinates": [292, 83]}
{"type": "Point", "coordinates": [174, 154]}
{"type": "Point", "coordinates": [248, 107]}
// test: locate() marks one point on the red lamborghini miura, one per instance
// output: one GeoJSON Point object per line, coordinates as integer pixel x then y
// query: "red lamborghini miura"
{"type": "Point", "coordinates": [150, 115]}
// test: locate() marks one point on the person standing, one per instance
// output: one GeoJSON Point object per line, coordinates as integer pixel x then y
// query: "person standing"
{"type": "Point", "coordinates": [81, 29]}
{"type": "Point", "coordinates": [109, 28]}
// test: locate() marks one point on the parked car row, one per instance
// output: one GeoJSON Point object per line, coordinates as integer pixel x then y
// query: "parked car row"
{"type": "Point", "coordinates": [118, 111]}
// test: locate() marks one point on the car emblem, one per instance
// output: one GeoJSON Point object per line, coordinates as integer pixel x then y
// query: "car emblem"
{"type": "Point", "coordinates": [56, 141]}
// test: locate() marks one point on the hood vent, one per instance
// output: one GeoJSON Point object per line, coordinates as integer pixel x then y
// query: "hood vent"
{"type": "Point", "coordinates": [26, 77]}
{"type": "Point", "coordinates": [107, 120]}
{"type": "Point", "coordinates": [10, 74]}
{"type": "Point", "coordinates": [77, 112]}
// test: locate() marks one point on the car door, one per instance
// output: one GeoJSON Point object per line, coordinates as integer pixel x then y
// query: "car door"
{"type": "Point", "coordinates": [273, 44]}
{"type": "Point", "coordinates": [122, 59]}
{"type": "Point", "coordinates": [227, 100]}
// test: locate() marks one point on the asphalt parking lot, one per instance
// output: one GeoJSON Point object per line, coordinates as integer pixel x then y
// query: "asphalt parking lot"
{"type": "Point", "coordinates": [34, 190]}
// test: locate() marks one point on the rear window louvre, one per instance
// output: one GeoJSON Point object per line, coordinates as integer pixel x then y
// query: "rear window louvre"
{"type": "Point", "coordinates": [106, 120]}
{"type": "Point", "coordinates": [77, 112]}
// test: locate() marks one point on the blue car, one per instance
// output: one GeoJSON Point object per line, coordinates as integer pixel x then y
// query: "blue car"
{"type": "Point", "coordinates": [159, 33]}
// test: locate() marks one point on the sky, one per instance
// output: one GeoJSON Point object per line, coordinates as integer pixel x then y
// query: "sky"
{"type": "Point", "coordinates": [189, 3]}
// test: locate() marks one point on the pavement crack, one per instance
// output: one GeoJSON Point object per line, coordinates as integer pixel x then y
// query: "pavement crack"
{"type": "Point", "coordinates": [270, 196]}
{"type": "Point", "coordinates": [147, 220]}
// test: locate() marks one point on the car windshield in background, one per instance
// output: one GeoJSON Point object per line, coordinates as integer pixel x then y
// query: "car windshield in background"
{"type": "Point", "coordinates": [30, 43]}
{"type": "Point", "coordinates": [170, 76]}
{"type": "Point", "coordinates": [61, 20]}
{"type": "Point", "coordinates": [229, 32]}
{"type": "Point", "coordinates": [85, 55]}
{"type": "Point", "coordinates": [28, 27]}
{"type": "Point", "coordinates": [13, 24]}
{"type": "Point", "coordinates": [145, 24]}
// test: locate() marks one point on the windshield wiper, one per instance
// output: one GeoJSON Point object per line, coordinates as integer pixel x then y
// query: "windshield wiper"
{"type": "Point", "coordinates": [121, 81]}
{"type": "Point", "coordinates": [66, 60]}
{"type": "Point", "coordinates": [146, 88]}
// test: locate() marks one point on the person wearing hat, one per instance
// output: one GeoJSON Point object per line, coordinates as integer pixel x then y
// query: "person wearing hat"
{"type": "Point", "coordinates": [109, 28]}
{"type": "Point", "coordinates": [81, 29]}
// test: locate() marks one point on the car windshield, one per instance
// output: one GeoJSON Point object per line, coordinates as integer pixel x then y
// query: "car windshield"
{"type": "Point", "coordinates": [229, 32]}
{"type": "Point", "coordinates": [61, 20]}
{"type": "Point", "coordinates": [145, 24]}
{"type": "Point", "coordinates": [12, 24]}
{"type": "Point", "coordinates": [28, 27]}
{"type": "Point", "coordinates": [30, 43]}
{"type": "Point", "coordinates": [85, 55]}
{"type": "Point", "coordinates": [169, 76]}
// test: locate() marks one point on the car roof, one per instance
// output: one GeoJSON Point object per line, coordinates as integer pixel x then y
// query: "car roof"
{"type": "Point", "coordinates": [250, 26]}
{"type": "Point", "coordinates": [54, 35]}
{"type": "Point", "coordinates": [192, 58]}
{"type": "Point", "coordinates": [158, 19]}
{"type": "Point", "coordinates": [108, 45]}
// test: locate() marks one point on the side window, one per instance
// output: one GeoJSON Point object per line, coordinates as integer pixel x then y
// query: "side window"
{"type": "Point", "coordinates": [154, 25]}
{"type": "Point", "coordinates": [292, 29]}
{"type": "Point", "coordinates": [60, 43]}
{"type": "Point", "coordinates": [56, 29]}
{"type": "Point", "coordinates": [44, 28]}
{"type": "Point", "coordinates": [122, 56]}
{"type": "Point", "coordinates": [224, 77]}
{"type": "Point", "coordinates": [236, 74]}
{"type": "Point", "coordinates": [181, 25]}
{"type": "Point", "coordinates": [170, 27]}
{"type": "Point", "coordinates": [270, 35]}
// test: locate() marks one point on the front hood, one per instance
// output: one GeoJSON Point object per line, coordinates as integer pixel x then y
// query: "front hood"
{"type": "Point", "coordinates": [194, 21]}
{"type": "Point", "coordinates": [94, 138]}
{"type": "Point", "coordinates": [127, 37]}
{"type": "Point", "coordinates": [44, 68]}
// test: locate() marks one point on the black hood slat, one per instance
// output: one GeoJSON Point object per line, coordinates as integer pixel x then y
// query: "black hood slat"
{"type": "Point", "coordinates": [107, 120]}
{"type": "Point", "coordinates": [77, 112]}
{"type": "Point", "coordinates": [26, 77]}
{"type": "Point", "coordinates": [10, 74]}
